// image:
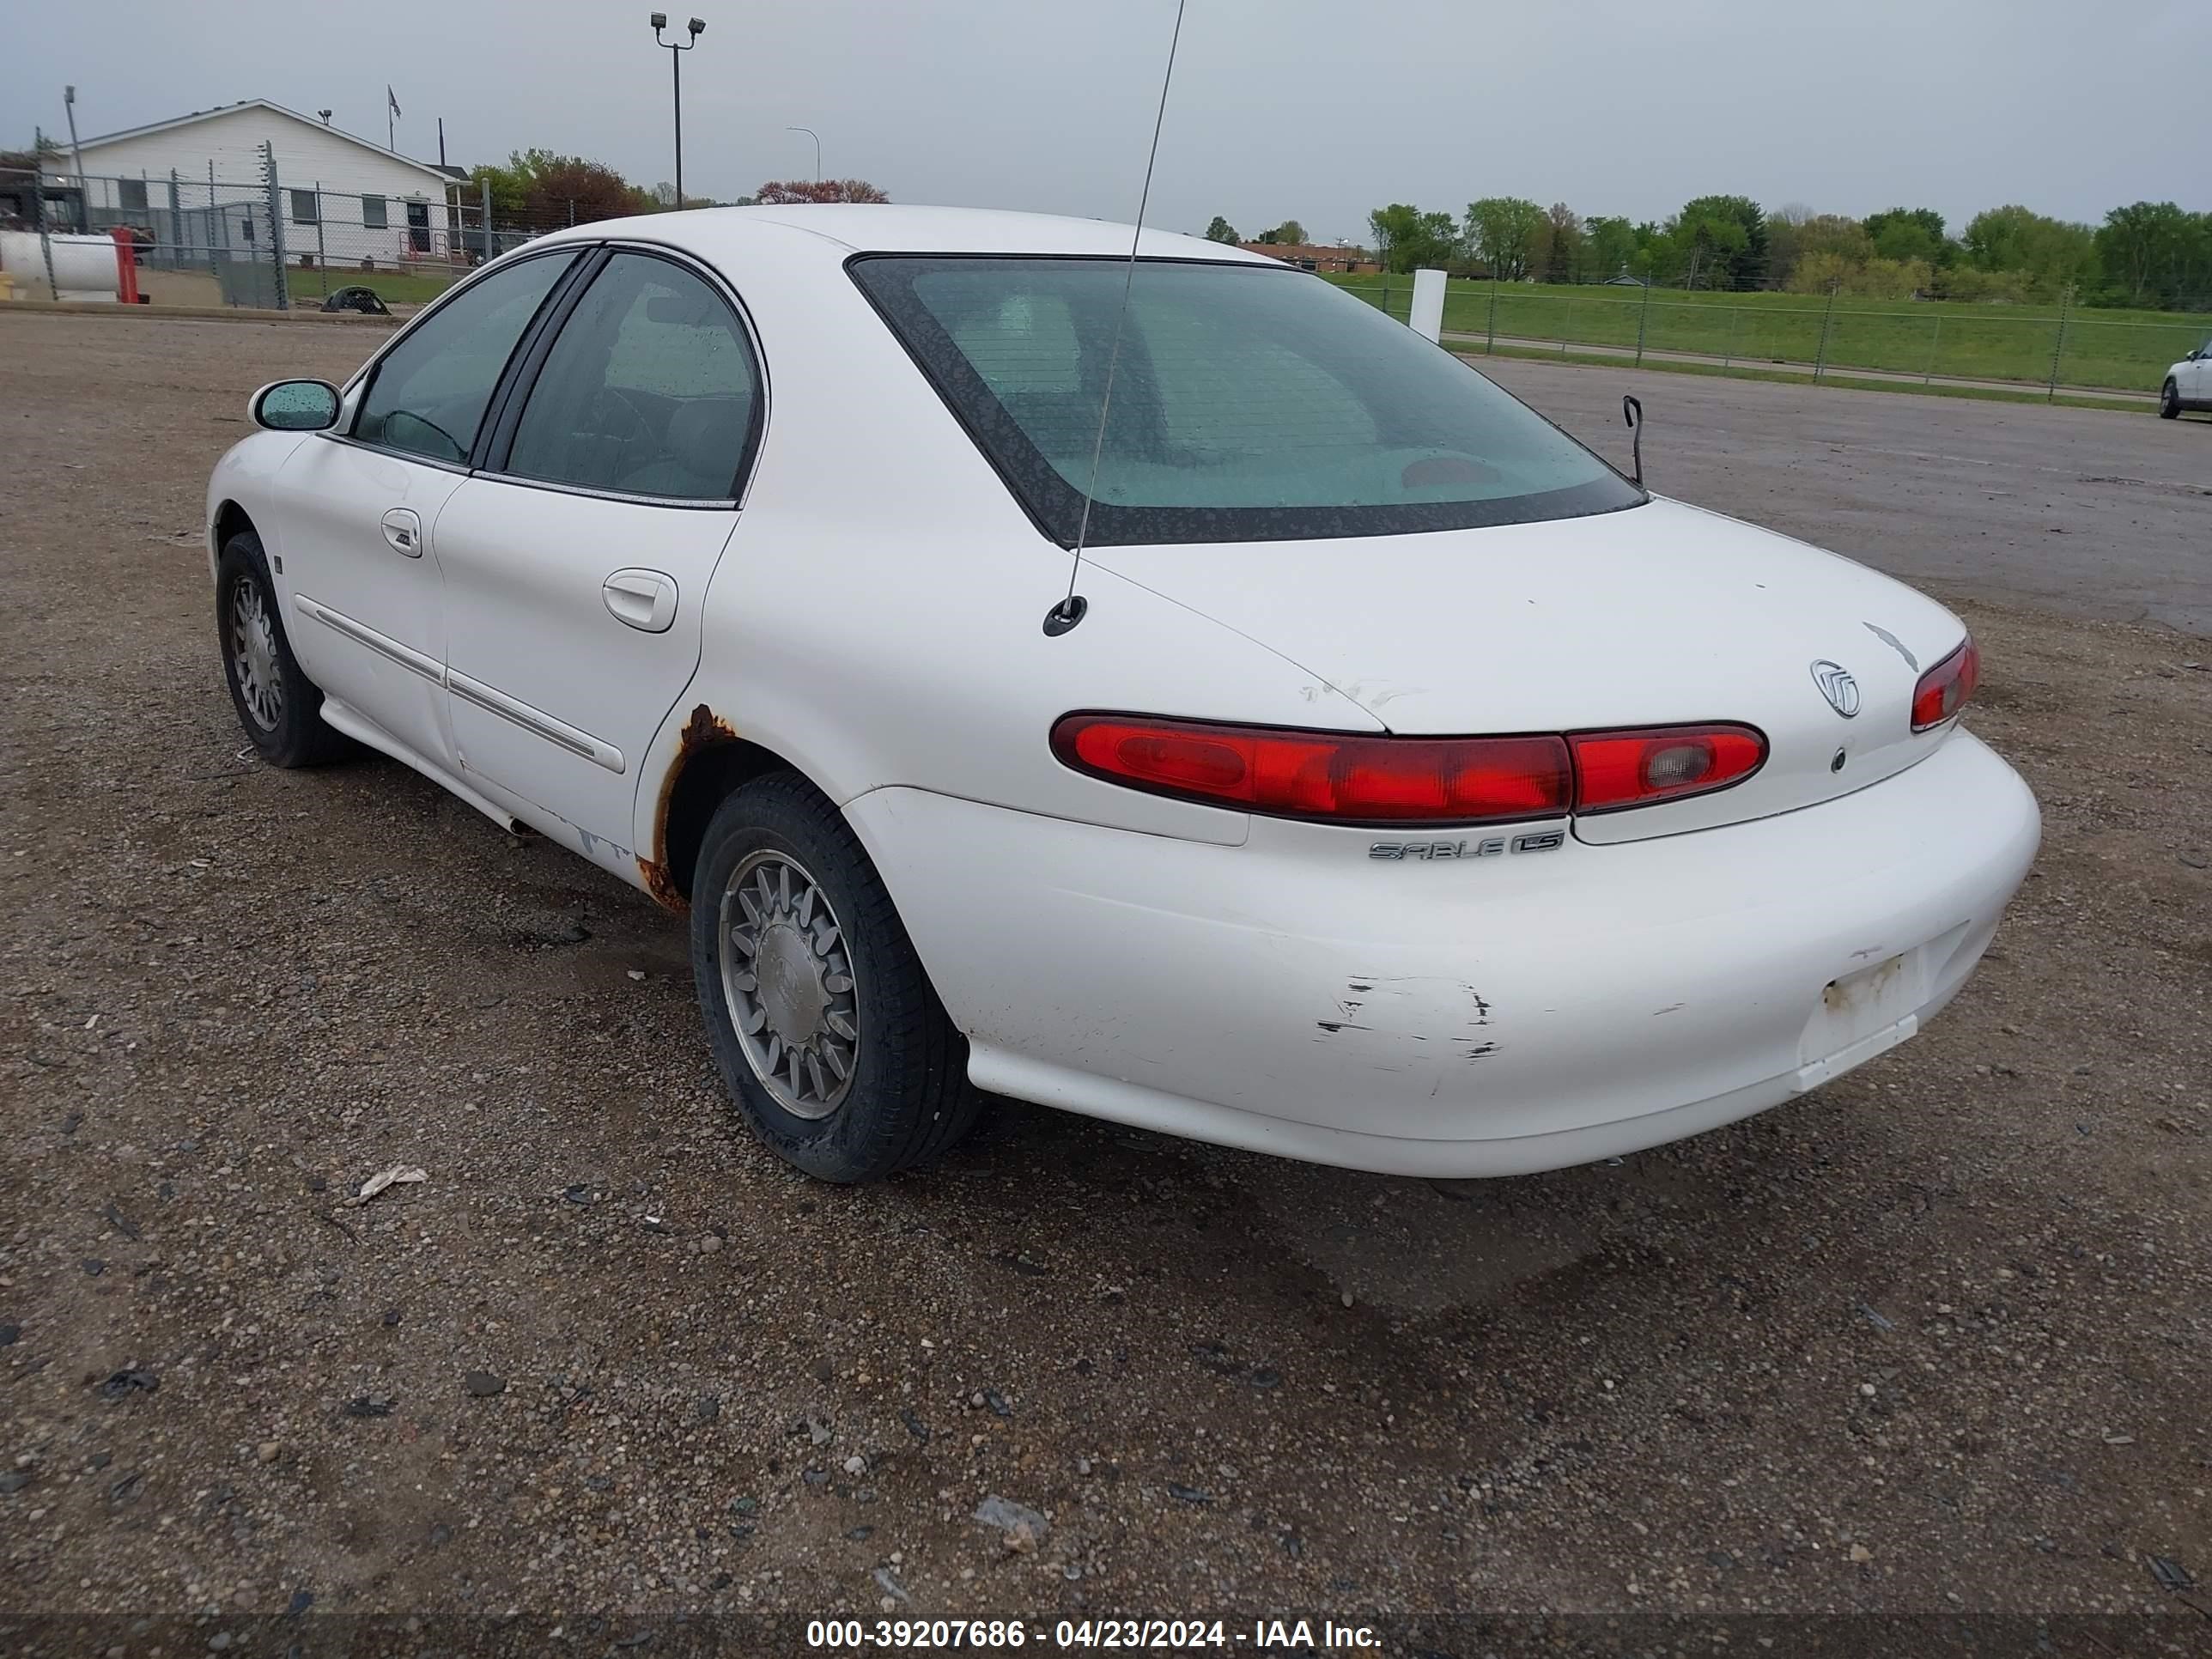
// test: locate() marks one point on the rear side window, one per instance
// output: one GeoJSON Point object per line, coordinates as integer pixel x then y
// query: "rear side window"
{"type": "Point", "coordinates": [1249, 403]}
{"type": "Point", "coordinates": [650, 390]}
{"type": "Point", "coordinates": [429, 393]}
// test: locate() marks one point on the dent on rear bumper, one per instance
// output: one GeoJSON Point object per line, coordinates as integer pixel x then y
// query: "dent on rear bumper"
{"type": "Point", "coordinates": [1483, 1019]}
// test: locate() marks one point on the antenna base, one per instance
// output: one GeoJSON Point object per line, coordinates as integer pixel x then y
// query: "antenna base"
{"type": "Point", "coordinates": [1065, 615]}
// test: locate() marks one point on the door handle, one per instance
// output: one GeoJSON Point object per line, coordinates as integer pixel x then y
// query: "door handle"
{"type": "Point", "coordinates": [644, 599]}
{"type": "Point", "coordinates": [403, 528]}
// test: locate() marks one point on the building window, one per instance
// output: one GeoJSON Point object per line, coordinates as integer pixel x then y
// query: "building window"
{"type": "Point", "coordinates": [372, 213]}
{"type": "Point", "coordinates": [133, 193]}
{"type": "Point", "coordinates": [303, 207]}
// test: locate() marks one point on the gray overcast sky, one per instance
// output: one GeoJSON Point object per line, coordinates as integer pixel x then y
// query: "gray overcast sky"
{"type": "Point", "coordinates": [1313, 109]}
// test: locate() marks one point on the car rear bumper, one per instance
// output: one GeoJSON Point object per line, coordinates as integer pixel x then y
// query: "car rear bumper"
{"type": "Point", "coordinates": [1460, 1018]}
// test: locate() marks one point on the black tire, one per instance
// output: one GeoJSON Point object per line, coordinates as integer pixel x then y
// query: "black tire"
{"type": "Point", "coordinates": [280, 707]}
{"type": "Point", "coordinates": [907, 1099]}
{"type": "Point", "coordinates": [2169, 402]}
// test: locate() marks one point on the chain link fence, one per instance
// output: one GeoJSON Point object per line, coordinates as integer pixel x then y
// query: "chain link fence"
{"type": "Point", "coordinates": [273, 242]}
{"type": "Point", "coordinates": [268, 242]}
{"type": "Point", "coordinates": [2061, 347]}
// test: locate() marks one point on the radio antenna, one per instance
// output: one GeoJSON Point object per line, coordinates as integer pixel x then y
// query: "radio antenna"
{"type": "Point", "coordinates": [1070, 610]}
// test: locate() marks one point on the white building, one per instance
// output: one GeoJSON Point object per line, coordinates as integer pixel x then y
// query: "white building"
{"type": "Point", "coordinates": [343, 199]}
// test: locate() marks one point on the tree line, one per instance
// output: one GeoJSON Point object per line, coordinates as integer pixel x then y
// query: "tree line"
{"type": "Point", "coordinates": [2147, 254]}
{"type": "Point", "coordinates": [543, 191]}
{"type": "Point", "coordinates": [1289, 234]}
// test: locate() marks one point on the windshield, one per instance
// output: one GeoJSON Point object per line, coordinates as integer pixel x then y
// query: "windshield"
{"type": "Point", "coordinates": [1250, 403]}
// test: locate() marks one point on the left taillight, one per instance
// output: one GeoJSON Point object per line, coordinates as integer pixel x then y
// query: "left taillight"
{"type": "Point", "coordinates": [1619, 769]}
{"type": "Point", "coordinates": [1354, 778]}
{"type": "Point", "coordinates": [1943, 690]}
{"type": "Point", "coordinates": [1345, 777]}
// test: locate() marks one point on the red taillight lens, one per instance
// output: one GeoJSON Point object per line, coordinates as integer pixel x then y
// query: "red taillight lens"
{"type": "Point", "coordinates": [1944, 689]}
{"type": "Point", "coordinates": [1615, 770]}
{"type": "Point", "coordinates": [1323, 775]}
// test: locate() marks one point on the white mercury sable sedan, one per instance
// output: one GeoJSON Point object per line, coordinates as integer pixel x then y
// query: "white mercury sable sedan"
{"type": "Point", "coordinates": [1402, 787]}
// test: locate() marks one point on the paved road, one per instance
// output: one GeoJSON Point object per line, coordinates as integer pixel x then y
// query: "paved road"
{"type": "Point", "coordinates": [1458, 341]}
{"type": "Point", "coordinates": [2085, 511]}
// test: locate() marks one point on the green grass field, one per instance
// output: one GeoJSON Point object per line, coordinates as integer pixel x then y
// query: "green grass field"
{"type": "Point", "coordinates": [2115, 351]}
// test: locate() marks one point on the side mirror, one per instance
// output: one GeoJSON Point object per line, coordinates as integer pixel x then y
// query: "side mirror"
{"type": "Point", "coordinates": [295, 406]}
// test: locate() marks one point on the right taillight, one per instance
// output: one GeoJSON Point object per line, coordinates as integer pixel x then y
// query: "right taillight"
{"type": "Point", "coordinates": [1944, 689]}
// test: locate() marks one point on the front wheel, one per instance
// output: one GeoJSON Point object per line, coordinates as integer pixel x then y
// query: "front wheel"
{"type": "Point", "coordinates": [833, 1047]}
{"type": "Point", "coordinates": [2169, 402]}
{"type": "Point", "coordinates": [280, 707]}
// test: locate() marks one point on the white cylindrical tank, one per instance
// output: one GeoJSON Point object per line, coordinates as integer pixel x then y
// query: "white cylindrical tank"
{"type": "Point", "coordinates": [1427, 320]}
{"type": "Point", "coordinates": [84, 266]}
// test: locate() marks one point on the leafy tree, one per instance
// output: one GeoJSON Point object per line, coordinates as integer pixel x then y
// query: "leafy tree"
{"type": "Point", "coordinates": [1608, 247]}
{"type": "Point", "coordinates": [540, 189]}
{"type": "Point", "coordinates": [1407, 239]}
{"type": "Point", "coordinates": [2049, 251]}
{"type": "Point", "coordinates": [1722, 240]}
{"type": "Point", "coordinates": [1221, 231]}
{"type": "Point", "coordinates": [1563, 242]}
{"type": "Point", "coordinates": [1781, 249]}
{"type": "Point", "coordinates": [1836, 235]}
{"type": "Point", "coordinates": [1290, 233]}
{"type": "Point", "coordinates": [786, 191]}
{"type": "Point", "coordinates": [1910, 234]}
{"type": "Point", "coordinates": [1872, 278]}
{"type": "Point", "coordinates": [1965, 281]}
{"type": "Point", "coordinates": [2153, 253]}
{"type": "Point", "coordinates": [1503, 233]}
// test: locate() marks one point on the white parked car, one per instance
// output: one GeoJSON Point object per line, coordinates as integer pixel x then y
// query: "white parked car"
{"type": "Point", "coordinates": [2187, 384]}
{"type": "Point", "coordinates": [1413, 792]}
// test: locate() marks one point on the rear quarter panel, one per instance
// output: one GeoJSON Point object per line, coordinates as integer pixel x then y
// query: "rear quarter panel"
{"type": "Point", "coordinates": [878, 617]}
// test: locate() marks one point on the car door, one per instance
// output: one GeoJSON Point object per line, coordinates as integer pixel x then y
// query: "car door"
{"type": "Point", "coordinates": [357, 508]}
{"type": "Point", "coordinates": [576, 563]}
{"type": "Point", "coordinates": [2198, 388]}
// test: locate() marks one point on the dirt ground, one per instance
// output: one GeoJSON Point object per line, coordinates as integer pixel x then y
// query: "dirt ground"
{"type": "Point", "coordinates": [1937, 1338]}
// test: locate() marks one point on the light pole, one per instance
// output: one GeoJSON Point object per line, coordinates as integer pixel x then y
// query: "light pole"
{"type": "Point", "coordinates": [817, 138]}
{"type": "Point", "coordinates": [68, 104]}
{"type": "Point", "coordinates": [676, 51]}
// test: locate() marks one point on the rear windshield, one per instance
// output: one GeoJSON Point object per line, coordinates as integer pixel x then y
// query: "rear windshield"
{"type": "Point", "coordinates": [1250, 403]}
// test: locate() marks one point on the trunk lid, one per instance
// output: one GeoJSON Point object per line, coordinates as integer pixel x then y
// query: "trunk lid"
{"type": "Point", "coordinates": [1653, 616]}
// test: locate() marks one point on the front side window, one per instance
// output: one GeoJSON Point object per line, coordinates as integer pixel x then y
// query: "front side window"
{"type": "Point", "coordinates": [305, 207]}
{"type": "Point", "coordinates": [1249, 403]}
{"type": "Point", "coordinates": [651, 389]}
{"type": "Point", "coordinates": [428, 392]}
{"type": "Point", "coordinates": [372, 213]}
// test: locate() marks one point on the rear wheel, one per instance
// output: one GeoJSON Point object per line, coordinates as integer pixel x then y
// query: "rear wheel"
{"type": "Point", "coordinates": [280, 707]}
{"type": "Point", "coordinates": [835, 1050]}
{"type": "Point", "coordinates": [2169, 402]}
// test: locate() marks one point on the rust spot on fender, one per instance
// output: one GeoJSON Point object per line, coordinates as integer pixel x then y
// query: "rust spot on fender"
{"type": "Point", "coordinates": [662, 888]}
{"type": "Point", "coordinates": [703, 728]}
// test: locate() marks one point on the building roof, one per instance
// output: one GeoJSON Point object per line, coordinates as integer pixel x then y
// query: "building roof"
{"type": "Point", "coordinates": [441, 175]}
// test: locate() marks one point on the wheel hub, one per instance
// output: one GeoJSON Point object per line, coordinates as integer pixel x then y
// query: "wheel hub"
{"type": "Point", "coordinates": [254, 655]}
{"type": "Point", "coordinates": [790, 978]}
{"type": "Point", "coordinates": [788, 981]}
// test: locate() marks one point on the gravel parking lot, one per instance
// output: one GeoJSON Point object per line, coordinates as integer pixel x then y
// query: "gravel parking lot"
{"type": "Point", "coordinates": [1937, 1338]}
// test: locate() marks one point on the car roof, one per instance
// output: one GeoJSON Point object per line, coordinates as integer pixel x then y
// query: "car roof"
{"type": "Point", "coordinates": [838, 230]}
